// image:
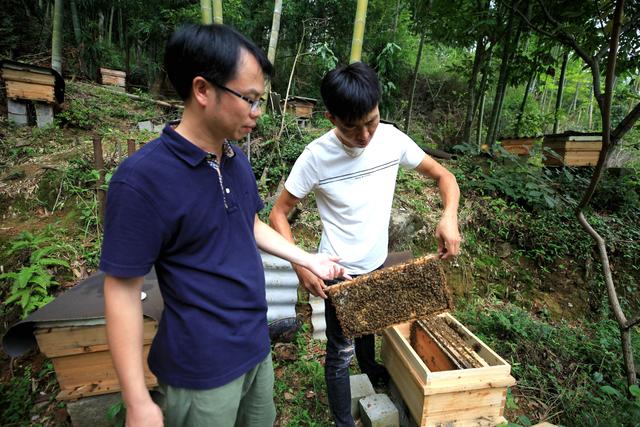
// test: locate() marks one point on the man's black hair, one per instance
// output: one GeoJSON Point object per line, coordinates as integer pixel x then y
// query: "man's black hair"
{"type": "Point", "coordinates": [210, 51]}
{"type": "Point", "coordinates": [350, 91]}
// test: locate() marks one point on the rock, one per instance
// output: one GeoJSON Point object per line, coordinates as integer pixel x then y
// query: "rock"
{"type": "Point", "coordinates": [402, 227]}
{"type": "Point", "coordinates": [145, 125]}
{"type": "Point", "coordinates": [92, 411]}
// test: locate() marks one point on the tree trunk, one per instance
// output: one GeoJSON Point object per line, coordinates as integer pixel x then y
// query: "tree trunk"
{"type": "Point", "coordinates": [358, 32]}
{"type": "Point", "coordinates": [217, 11]}
{"type": "Point", "coordinates": [120, 28]}
{"type": "Point", "coordinates": [395, 18]}
{"type": "Point", "coordinates": [574, 103]}
{"type": "Point", "coordinates": [100, 26]}
{"type": "Point", "coordinates": [480, 119]}
{"type": "Point", "coordinates": [407, 122]}
{"type": "Point", "coordinates": [56, 37]}
{"type": "Point", "coordinates": [502, 82]}
{"type": "Point", "coordinates": [205, 11]}
{"type": "Point", "coordinates": [473, 80]}
{"type": "Point", "coordinates": [591, 110]}
{"type": "Point", "coordinates": [483, 96]}
{"type": "Point", "coordinates": [523, 105]}
{"type": "Point", "coordinates": [77, 32]}
{"type": "Point", "coordinates": [110, 31]}
{"type": "Point", "coordinates": [609, 141]}
{"type": "Point", "coordinates": [563, 72]}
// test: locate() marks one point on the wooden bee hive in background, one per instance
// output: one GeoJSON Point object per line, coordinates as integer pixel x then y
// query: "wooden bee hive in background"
{"type": "Point", "coordinates": [373, 302]}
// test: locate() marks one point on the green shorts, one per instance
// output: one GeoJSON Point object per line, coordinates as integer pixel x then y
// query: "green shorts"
{"type": "Point", "coordinates": [245, 401]}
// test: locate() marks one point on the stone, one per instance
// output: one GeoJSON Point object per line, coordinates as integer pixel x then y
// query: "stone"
{"type": "Point", "coordinates": [44, 114]}
{"type": "Point", "coordinates": [403, 224]}
{"type": "Point", "coordinates": [378, 410]}
{"type": "Point", "coordinates": [17, 112]}
{"type": "Point", "coordinates": [360, 387]}
{"type": "Point", "coordinates": [145, 125]}
{"type": "Point", "coordinates": [92, 411]}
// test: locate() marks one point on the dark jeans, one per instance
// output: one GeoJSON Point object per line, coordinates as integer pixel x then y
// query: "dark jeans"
{"type": "Point", "coordinates": [340, 351]}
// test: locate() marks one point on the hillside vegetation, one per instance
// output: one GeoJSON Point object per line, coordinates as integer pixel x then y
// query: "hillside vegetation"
{"type": "Point", "coordinates": [527, 282]}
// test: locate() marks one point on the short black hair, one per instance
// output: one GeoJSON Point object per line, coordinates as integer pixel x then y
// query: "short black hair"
{"type": "Point", "coordinates": [350, 91]}
{"type": "Point", "coordinates": [210, 51]}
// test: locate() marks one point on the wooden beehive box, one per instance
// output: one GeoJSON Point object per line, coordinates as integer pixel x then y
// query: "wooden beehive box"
{"type": "Point", "coordinates": [113, 78]}
{"type": "Point", "coordinates": [82, 360]}
{"type": "Point", "coordinates": [460, 397]}
{"type": "Point", "coordinates": [29, 83]}
{"type": "Point", "coordinates": [520, 146]}
{"type": "Point", "coordinates": [301, 107]}
{"type": "Point", "coordinates": [572, 149]}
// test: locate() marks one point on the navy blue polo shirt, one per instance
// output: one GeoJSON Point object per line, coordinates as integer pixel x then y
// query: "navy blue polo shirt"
{"type": "Point", "coordinates": [167, 207]}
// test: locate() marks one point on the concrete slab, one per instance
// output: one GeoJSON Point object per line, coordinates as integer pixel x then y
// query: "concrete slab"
{"type": "Point", "coordinates": [360, 387]}
{"type": "Point", "coordinates": [44, 114]}
{"type": "Point", "coordinates": [92, 411]}
{"type": "Point", "coordinates": [17, 112]}
{"type": "Point", "coordinates": [378, 410]}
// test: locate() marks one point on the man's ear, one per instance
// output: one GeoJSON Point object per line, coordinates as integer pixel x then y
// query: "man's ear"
{"type": "Point", "coordinates": [331, 117]}
{"type": "Point", "coordinates": [201, 91]}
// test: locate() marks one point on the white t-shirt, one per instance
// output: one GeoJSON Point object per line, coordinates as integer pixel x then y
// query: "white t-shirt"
{"type": "Point", "coordinates": [354, 191]}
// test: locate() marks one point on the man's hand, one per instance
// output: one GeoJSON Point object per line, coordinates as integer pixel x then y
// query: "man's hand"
{"type": "Point", "coordinates": [326, 267]}
{"type": "Point", "coordinates": [147, 414]}
{"type": "Point", "coordinates": [448, 237]}
{"type": "Point", "coordinates": [310, 281]}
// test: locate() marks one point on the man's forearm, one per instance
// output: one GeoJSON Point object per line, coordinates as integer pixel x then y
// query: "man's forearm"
{"type": "Point", "coordinates": [278, 243]}
{"type": "Point", "coordinates": [450, 194]}
{"type": "Point", "coordinates": [123, 313]}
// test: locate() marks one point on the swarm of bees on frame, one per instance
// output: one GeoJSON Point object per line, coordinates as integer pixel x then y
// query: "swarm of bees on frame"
{"type": "Point", "coordinates": [375, 301]}
{"type": "Point", "coordinates": [450, 341]}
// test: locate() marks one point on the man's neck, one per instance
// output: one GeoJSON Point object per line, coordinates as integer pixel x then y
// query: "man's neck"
{"type": "Point", "coordinates": [195, 132]}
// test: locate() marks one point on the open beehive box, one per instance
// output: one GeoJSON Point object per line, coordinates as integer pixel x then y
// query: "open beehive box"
{"type": "Point", "coordinates": [436, 391]}
{"type": "Point", "coordinates": [81, 357]}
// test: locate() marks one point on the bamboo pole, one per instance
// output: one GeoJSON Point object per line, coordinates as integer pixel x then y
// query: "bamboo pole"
{"type": "Point", "coordinates": [273, 39]}
{"type": "Point", "coordinates": [56, 37]}
{"type": "Point", "coordinates": [275, 31]}
{"type": "Point", "coordinates": [217, 11]}
{"type": "Point", "coordinates": [205, 11]}
{"type": "Point", "coordinates": [358, 32]}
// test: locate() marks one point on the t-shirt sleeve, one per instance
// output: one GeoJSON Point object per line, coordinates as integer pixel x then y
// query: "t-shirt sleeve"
{"type": "Point", "coordinates": [303, 176]}
{"type": "Point", "coordinates": [133, 233]}
{"type": "Point", "coordinates": [411, 155]}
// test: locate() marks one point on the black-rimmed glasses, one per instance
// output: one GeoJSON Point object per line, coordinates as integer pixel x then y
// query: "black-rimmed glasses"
{"type": "Point", "coordinates": [255, 104]}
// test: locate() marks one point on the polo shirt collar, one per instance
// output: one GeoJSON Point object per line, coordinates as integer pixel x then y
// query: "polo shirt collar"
{"type": "Point", "coordinates": [186, 150]}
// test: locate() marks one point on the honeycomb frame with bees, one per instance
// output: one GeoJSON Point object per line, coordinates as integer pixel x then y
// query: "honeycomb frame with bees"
{"type": "Point", "coordinates": [386, 297]}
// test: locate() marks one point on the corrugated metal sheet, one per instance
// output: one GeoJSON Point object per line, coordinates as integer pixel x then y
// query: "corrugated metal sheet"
{"type": "Point", "coordinates": [317, 318]}
{"type": "Point", "coordinates": [282, 287]}
{"type": "Point", "coordinates": [282, 294]}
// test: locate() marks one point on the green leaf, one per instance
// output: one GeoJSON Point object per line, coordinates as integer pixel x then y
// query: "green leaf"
{"type": "Point", "coordinates": [634, 389]}
{"type": "Point", "coordinates": [36, 255]}
{"type": "Point", "coordinates": [24, 276]}
{"type": "Point", "coordinates": [53, 261]}
{"type": "Point", "coordinates": [607, 389]}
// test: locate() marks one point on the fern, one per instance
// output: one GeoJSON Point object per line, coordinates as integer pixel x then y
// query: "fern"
{"type": "Point", "coordinates": [31, 285]}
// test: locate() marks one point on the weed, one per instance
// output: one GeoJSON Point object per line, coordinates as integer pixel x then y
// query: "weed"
{"type": "Point", "coordinates": [16, 399]}
{"type": "Point", "coordinates": [31, 284]}
{"type": "Point", "coordinates": [576, 371]}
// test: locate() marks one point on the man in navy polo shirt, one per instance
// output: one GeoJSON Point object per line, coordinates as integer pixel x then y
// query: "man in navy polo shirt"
{"type": "Point", "coordinates": [187, 203]}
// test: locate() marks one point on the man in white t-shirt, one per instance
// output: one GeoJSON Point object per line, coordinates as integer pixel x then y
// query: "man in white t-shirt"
{"type": "Point", "coordinates": [352, 170]}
